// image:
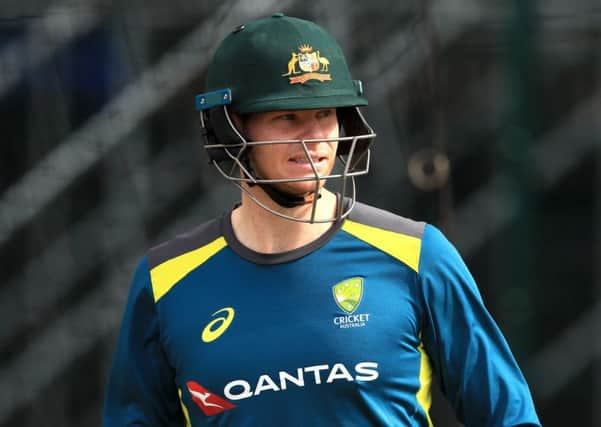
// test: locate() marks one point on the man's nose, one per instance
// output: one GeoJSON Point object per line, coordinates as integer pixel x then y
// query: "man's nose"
{"type": "Point", "coordinates": [314, 129]}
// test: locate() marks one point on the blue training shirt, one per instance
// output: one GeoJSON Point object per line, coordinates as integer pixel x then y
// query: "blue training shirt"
{"type": "Point", "coordinates": [349, 330]}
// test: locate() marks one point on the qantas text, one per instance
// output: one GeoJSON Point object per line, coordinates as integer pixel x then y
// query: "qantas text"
{"type": "Point", "coordinates": [317, 374]}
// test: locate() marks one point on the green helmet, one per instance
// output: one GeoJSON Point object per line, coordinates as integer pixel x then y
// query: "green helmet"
{"type": "Point", "coordinates": [281, 63]}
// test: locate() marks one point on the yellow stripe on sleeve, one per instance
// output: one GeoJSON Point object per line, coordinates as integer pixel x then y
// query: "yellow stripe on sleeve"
{"type": "Point", "coordinates": [424, 394]}
{"type": "Point", "coordinates": [400, 246]}
{"type": "Point", "coordinates": [184, 409]}
{"type": "Point", "coordinates": [164, 276]}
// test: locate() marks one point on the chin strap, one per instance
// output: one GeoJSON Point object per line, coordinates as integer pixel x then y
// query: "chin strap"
{"type": "Point", "coordinates": [283, 198]}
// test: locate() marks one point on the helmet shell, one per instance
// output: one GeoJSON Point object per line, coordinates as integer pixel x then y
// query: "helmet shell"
{"type": "Point", "coordinates": [282, 63]}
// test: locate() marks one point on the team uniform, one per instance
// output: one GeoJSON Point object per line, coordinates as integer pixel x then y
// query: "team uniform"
{"type": "Point", "coordinates": [349, 330]}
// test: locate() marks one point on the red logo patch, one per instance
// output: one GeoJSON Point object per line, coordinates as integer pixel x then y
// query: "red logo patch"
{"type": "Point", "coordinates": [209, 403]}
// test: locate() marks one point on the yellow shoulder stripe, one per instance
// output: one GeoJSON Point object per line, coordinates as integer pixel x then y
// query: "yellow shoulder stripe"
{"type": "Point", "coordinates": [164, 276]}
{"type": "Point", "coordinates": [400, 246]}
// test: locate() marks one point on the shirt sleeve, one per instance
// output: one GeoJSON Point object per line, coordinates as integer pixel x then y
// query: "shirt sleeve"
{"type": "Point", "coordinates": [141, 389]}
{"type": "Point", "coordinates": [475, 367]}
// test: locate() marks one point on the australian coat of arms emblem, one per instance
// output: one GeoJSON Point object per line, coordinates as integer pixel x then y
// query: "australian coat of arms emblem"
{"type": "Point", "coordinates": [307, 64]}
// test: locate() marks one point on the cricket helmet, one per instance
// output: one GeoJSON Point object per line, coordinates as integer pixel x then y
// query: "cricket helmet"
{"type": "Point", "coordinates": [283, 63]}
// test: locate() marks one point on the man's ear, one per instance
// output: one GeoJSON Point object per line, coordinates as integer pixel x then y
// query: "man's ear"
{"type": "Point", "coordinates": [238, 121]}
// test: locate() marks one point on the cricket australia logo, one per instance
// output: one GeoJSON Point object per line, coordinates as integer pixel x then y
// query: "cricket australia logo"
{"type": "Point", "coordinates": [348, 295]}
{"type": "Point", "coordinates": [311, 66]}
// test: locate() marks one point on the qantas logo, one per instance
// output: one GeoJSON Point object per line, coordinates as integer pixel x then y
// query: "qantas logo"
{"type": "Point", "coordinates": [209, 403]}
{"type": "Point", "coordinates": [203, 398]}
{"type": "Point", "coordinates": [317, 374]}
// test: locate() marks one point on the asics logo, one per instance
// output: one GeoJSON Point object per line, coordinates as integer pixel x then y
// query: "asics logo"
{"type": "Point", "coordinates": [219, 325]}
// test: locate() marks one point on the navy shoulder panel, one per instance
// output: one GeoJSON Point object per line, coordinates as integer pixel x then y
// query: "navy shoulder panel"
{"type": "Point", "coordinates": [379, 218]}
{"type": "Point", "coordinates": [193, 239]}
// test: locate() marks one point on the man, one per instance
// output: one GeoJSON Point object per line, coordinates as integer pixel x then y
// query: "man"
{"type": "Point", "coordinates": [301, 306]}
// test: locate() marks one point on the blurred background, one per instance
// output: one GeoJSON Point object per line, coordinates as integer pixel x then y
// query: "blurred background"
{"type": "Point", "coordinates": [488, 116]}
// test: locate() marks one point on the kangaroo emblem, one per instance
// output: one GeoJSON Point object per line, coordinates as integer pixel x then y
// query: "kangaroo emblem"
{"type": "Point", "coordinates": [292, 65]}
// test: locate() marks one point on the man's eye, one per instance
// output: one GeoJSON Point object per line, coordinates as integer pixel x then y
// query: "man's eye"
{"type": "Point", "coordinates": [285, 117]}
{"type": "Point", "coordinates": [325, 113]}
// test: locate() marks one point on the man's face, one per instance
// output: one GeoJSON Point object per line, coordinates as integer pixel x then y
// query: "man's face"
{"type": "Point", "coordinates": [275, 161]}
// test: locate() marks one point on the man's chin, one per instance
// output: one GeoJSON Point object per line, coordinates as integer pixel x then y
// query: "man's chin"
{"type": "Point", "coordinates": [300, 189]}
